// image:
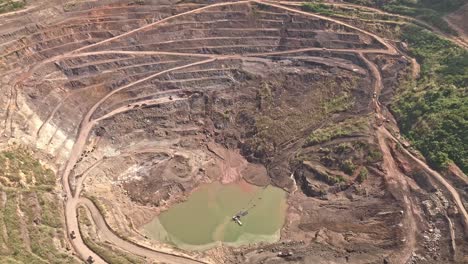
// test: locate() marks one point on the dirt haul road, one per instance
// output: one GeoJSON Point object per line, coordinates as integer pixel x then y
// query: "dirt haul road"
{"type": "Point", "coordinates": [135, 249]}
{"type": "Point", "coordinates": [87, 124]}
{"type": "Point", "coordinates": [453, 192]}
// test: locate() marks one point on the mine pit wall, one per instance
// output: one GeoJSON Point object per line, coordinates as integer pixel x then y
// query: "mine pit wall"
{"type": "Point", "coordinates": [197, 18]}
{"type": "Point", "coordinates": [23, 124]}
{"type": "Point", "coordinates": [30, 107]}
{"type": "Point", "coordinates": [143, 124]}
{"type": "Point", "coordinates": [48, 45]}
{"type": "Point", "coordinates": [83, 72]}
{"type": "Point", "coordinates": [71, 128]}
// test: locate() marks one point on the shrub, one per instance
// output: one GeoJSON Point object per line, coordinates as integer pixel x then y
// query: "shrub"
{"type": "Point", "coordinates": [433, 111]}
{"type": "Point", "coordinates": [317, 8]}
{"type": "Point", "coordinates": [374, 156]}
{"type": "Point", "coordinates": [362, 175]}
{"type": "Point", "coordinates": [342, 129]}
{"type": "Point", "coordinates": [348, 167]}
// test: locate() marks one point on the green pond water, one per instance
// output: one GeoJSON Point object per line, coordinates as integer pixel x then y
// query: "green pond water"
{"type": "Point", "coordinates": [205, 219]}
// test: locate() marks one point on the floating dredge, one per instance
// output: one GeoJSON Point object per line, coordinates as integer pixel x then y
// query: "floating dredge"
{"type": "Point", "coordinates": [236, 217]}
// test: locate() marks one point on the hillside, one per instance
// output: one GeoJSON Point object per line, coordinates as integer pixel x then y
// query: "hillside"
{"type": "Point", "coordinates": [116, 113]}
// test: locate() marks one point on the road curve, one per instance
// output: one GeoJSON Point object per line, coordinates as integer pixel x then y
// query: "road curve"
{"type": "Point", "coordinates": [159, 22]}
{"type": "Point", "coordinates": [87, 125]}
{"type": "Point", "coordinates": [71, 224]}
{"type": "Point", "coordinates": [389, 47]}
{"type": "Point", "coordinates": [71, 203]}
{"type": "Point", "coordinates": [35, 67]}
{"type": "Point", "coordinates": [131, 247]}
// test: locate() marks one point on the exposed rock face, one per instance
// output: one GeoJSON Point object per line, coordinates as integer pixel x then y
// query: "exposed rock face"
{"type": "Point", "coordinates": [311, 189]}
{"type": "Point", "coordinates": [154, 98]}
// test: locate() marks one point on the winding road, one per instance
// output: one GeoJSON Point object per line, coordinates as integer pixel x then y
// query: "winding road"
{"type": "Point", "coordinates": [396, 178]}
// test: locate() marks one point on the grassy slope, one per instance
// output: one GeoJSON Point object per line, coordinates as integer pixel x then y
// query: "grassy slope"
{"type": "Point", "coordinates": [28, 188]}
{"type": "Point", "coordinates": [347, 128]}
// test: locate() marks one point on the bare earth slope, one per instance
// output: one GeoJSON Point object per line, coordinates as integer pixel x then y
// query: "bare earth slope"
{"type": "Point", "coordinates": [458, 21]}
{"type": "Point", "coordinates": [138, 103]}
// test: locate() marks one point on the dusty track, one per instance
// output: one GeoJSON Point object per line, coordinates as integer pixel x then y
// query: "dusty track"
{"type": "Point", "coordinates": [453, 192]}
{"type": "Point", "coordinates": [398, 185]}
{"type": "Point", "coordinates": [395, 178]}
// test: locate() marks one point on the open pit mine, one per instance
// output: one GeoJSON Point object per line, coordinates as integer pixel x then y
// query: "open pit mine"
{"type": "Point", "coordinates": [160, 131]}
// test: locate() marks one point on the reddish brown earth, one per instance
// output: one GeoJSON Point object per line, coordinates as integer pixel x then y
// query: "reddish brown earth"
{"type": "Point", "coordinates": [458, 21]}
{"type": "Point", "coordinates": [141, 102]}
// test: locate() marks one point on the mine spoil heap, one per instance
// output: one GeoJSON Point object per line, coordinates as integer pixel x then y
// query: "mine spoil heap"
{"type": "Point", "coordinates": [138, 102]}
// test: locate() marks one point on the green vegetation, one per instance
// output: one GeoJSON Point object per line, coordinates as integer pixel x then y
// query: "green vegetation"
{"type": "Point", "coordinates": [31, 218]}
{"type": "Point", "coordinates": [433, 111]}
{"type": "Point", "coordinates": [100, 206]}
{"type": "Point", "coordinates": [83, 217]}
{"type": "Point", "coordinates": [343, 148]}
{"type": "Point", "coordinates": [347, 128]}
{"type": "Point", "coordinates": [69, 6]}
{"type": "Point", "coordinates": [329, 9]}
{"type": "Point", "coordinates": [49, 205]}
{"type": "Point", "coordinates": [348, 167]}
{"type": "Point", "coordinates": [374, 155]}
{"type": "Point", "coordinates": [42, 236]}
{"type": "Point", "coordinates": [319, 8]}
{"type": "Point", "coordinates": [428, 15]}
{"type": "Point", "coordinates": [385, 25]}
{"type": "Point", "coordinates": [330, 179]}
{"type": "Point", "coordinates": [338, 104]}
{"type": "Point", "coordinates": [10, 5]}
{"type": "Point", "coordinates": [19, 168]}
{"type": "Point", "coordinates": [430, 11]}
{"type": "Point", "coordinates": [362, 176]}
